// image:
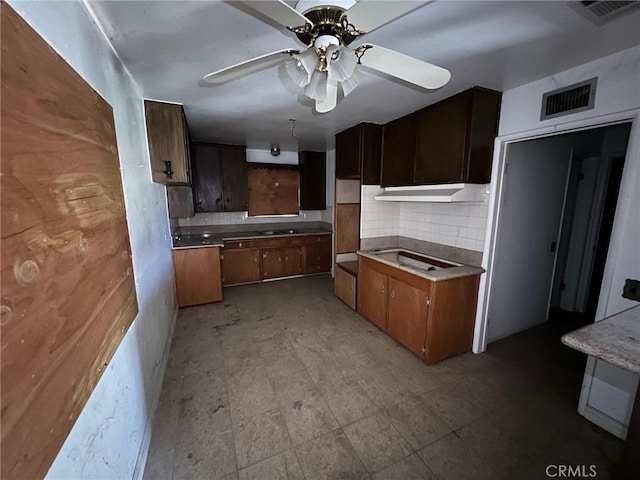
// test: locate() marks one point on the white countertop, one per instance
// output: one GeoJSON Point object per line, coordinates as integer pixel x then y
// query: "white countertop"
{"type": "Point", "coordinates": [615, 339]}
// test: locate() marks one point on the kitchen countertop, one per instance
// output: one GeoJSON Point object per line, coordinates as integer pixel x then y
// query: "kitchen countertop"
{"type": "Point", "coordinates": [615, 339]}
{"type": "Point", "coordinates": [212, 238]}
{"type": "Point", "coordinates": [435, 276]}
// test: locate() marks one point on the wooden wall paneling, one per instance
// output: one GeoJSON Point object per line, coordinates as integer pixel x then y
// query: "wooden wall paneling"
{"type": "Point", "coordinates": [180, 202]}
{"type": "Point", "coordinates": [347, 228]}
{"type": "Point", "coordinates": [347, 191]}
{"type": "Point", "coordinates": [68, 292]}
{"type": "Point", "coordinates": [273, 190]}
{"type": "Point", "coordinates": [198, 275]}
{"type": "Point", "coordinates": [452, 317]}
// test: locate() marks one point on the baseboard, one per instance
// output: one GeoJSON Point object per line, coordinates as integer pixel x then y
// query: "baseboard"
{"type": "Point", "coordinates": [143, 453]}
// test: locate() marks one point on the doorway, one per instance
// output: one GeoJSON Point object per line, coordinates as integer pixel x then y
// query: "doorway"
{"type": "Point", "coordinates": [556, 214]}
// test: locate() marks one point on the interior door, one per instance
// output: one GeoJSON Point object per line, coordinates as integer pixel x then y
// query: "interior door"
{"type": "Point", "coordinates": [530, 216]}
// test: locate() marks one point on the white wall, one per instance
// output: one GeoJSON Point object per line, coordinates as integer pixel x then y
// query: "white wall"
{"type": "Point", "coordinates": [617, 99]}
{"type": "Point", "coordinates": [111, 430]}
{"type": "Point", "coordinates": [238, 218]}
{"type": "Point", "coordinates": [461, 225]}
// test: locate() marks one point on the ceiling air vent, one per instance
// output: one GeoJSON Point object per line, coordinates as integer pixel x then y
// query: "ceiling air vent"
{"type": "Point", "coordinates": [601, 12]}
{"type": "Point", "coordinates": [572, 99]}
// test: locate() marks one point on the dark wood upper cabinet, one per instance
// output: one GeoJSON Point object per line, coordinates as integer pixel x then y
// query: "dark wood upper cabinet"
{"type": "Point", "coordinates": [398, 151]}
{"type": "Point", "coordinates": [455, 138]}
{"type": "Point", "coordinates": [358, 153]}
{"type": "Point", "coordinates": [180, 201]}
{"type": "Point", "coordinates": [448, 142]}
{"type": "Point", "coordinates": [168, 138]}
{"type": "Point", "coordinates": [219, 178]}
{"type": "Point", "coordinates": [313, 180]}
{"type": "Point", "coordinates": [273, 189]}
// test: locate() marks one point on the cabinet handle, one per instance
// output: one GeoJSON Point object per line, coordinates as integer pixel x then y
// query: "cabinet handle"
{"type": "Point", "coordinates": [255, 259]}
{"type": "Point", "coordinates": [240, 245]}
{"type": "Point", "coordinates": [393, 294]}
{"type": "Point", "coordinates": [286, 259]}
{"type": "Point", "coordinates": [382, 288]}
{"type": "Point", "coordinates": [167, 169]}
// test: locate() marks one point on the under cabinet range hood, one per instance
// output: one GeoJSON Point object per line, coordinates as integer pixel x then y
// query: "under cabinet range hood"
{"type": "Point", "coordinates": [445, 193]}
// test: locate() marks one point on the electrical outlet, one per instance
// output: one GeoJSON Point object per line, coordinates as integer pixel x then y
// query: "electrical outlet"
{"type": "Point", "coordinates": [631, 289]}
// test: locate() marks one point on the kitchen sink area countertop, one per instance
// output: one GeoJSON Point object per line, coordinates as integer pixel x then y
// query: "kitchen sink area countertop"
{"type": "Point", "coordinates": [429, 267]}
{"type": "Point", "coordinates": [215, 236]}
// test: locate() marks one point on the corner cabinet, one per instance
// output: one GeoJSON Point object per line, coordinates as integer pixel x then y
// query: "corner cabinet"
{"type": "Point", "coordinates": [168, 138]}
{"type": "Point", "coordinates": [358, 153]}
{"type": "Point", "coordinates": [435, 320]}
{"type": "Point", "coordinates": [448, 142]}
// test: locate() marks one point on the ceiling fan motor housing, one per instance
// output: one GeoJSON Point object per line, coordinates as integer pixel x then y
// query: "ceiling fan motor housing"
{"type": "Point", "coordinates": [327, 21]}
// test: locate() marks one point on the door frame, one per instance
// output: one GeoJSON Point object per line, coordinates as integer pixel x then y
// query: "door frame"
{"type": "Point", "coordinates": [496, 192]}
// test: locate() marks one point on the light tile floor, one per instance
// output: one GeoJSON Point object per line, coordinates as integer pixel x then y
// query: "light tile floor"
{"type": "Point", "coordinates": [283, 381]}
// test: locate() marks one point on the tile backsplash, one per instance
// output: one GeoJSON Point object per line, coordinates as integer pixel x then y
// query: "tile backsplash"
{"type": "Point", "coordinates": [460, 225]}
{"type": "Point", "coordinates": [240, 218]}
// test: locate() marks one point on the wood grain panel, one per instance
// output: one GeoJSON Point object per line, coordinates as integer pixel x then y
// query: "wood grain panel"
{"type": "Point", "coordinates": [407, 315]}
{"type": "Point", "coordinates": [198, 275]}
{"type": "Point", "coordinates": [372, 296]}
{"type": "Point", "coordinates": [273, 191]}
{"type": "Point", "coordinates": [180, 201]}
{"type": "Point", "coordinates": [168, 141]}
{"type": "Point", "coordinates": [68, 293]}
{"type": "Point", "coordinates": [241, 265]}
{"type": "Point", "coordinates": [347, 229]}
{"type": "Point", "coordinates": [452, 317]}
{"type": "Point", "coordinates": [345, 287]}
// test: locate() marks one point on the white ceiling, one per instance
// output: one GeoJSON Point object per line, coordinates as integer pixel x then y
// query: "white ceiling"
{"type": "Point", "coordinates": [169, 45]}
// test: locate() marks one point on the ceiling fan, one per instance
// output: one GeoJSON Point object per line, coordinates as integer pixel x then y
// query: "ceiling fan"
{"type": "Point", "coordinates": [328, 61]}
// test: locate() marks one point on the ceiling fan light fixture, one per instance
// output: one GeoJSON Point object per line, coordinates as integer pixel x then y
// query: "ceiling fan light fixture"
{"type": "Point", "coordinates": [297, 72]}
{"type": "Point", "coordinates": [342, 62]}
{"type": "Point", "coordinates": [308, 59]}
{"type": "Point", "coordinates": [317, 88]}
{"type": "Point", "coordinates": [348, 84]}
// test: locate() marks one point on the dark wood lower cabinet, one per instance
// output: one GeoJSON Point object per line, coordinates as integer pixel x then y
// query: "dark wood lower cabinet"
{"type": "Point", "coordinates": [407, 314]}
{"type": "Point", "coordinates": [198, 278]}
{"type": "Point", "coordinates": [281, 262]}
{"type": "Point", "coordinates": [372, 296]}
{"type": "Point", "coordinates": [435, 320]}
{"type": "Point", "coordinates": [241, 266]}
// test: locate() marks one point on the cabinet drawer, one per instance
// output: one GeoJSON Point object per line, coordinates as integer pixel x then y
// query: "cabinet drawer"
{"type": "Point", "coordinates": [314, 239]}
{"type": "Point", "coordinates": [281, 242]}
{"type": "Point", "coordinates": [234, 244]}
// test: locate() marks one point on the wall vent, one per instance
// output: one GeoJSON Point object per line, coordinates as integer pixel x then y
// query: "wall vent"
{"type": "Point", "coordinates": [601, 12]}
{"type": "Point", "coordinates": [572, 99]}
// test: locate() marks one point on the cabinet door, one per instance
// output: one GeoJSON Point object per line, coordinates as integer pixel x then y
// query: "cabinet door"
{"type": "Point", "coordinates": [241, 266]}
{"type": "Point", "coordinates": [167, 136]}
{"type": "Point", "coordinates": [485, 115]}
{"type": "Point", "coordinates": [180, 201]}
{"type": "Point", "coordinates": [407, 315]}
{"type": "Point", "coordinates": [272, 263]}
{"type": "Point", "coordinates": [441, 141]}
{"type": "Point", "coordinates": [372, 296]}
{"type": "Point", "coordinates": [318, 255]}
{"type": "Point", "coordinates": [348, 153]}
{"type": "Point", "coordinates": [292, 261]}
{"type": "Point", "coordinates": [233, 168]}
{"type": "Point", "coordinates": [198, 278]}
{"type": "Point", "coordinates": [398, 151]}
{"type": "Point", "coordinates": [371, 145]}
{"type": "Point", "coordinates": [345, 287]}
{"type": "Point", "coordinates": [313, 180]}
{"type": "Point", "coordinates": [347, 229]}
{"type": "Point", "coordinates": [207, 186]}
{"type": "Point", "coordinates": [273, 190]}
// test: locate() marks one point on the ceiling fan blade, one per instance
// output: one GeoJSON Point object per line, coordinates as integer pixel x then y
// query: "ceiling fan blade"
{"type": "Point", "coordinates": [330, 102]}
{"type": "Point", "coordinates": [404, 67]}
{"type": "Point", "coordinates": [279, 12]}
{"type": "Point", "coordinates": [367, 15]}
{"type": "Point", "coordinates": [250, 66]}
